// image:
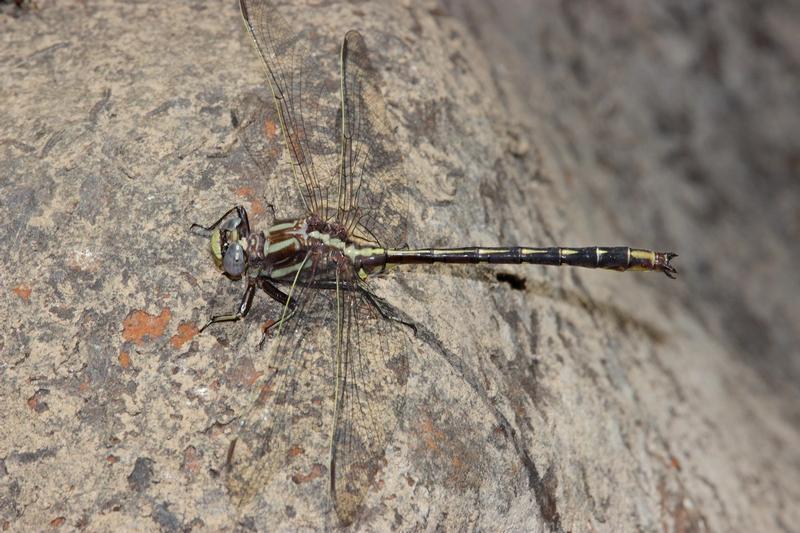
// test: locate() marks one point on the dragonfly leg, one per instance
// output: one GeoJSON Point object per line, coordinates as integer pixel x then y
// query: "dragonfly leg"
{"type": "Point", "coordinates": [244, 307]}
{"type": "Point", "coordinates": [331, 285]}
{"type": "Point", "coordinates": [386, 309]}
{"type": "Point", "coordinates": [281, 297]}
{"type": "Point", "coordinates": [204, 231]}
{"type": "Point", "coordinates": [383, 307]}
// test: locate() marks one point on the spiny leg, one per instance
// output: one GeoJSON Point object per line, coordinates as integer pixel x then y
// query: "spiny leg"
{"type": "Point", "coordinates": [244, 307]}
{"type": "Point", "coordinates": [204, 231]}
{"type": "Point", "coordinates": [281, 297]}
{"type": "Point", "coordinates": [289, 303]}
{"type": "Point", "coordinates": [385, 309]}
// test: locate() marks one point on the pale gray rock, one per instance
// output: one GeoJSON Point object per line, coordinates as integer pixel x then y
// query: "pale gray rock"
{"type": "Point", "coordinates": [541, 399]}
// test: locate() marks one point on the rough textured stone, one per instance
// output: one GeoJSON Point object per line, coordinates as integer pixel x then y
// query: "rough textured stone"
{"type": "Point", "coordinates": [543, 399]}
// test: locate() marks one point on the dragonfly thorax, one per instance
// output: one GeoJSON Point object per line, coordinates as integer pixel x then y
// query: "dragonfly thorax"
{"type": "Point", "coordinates": [296, 248]}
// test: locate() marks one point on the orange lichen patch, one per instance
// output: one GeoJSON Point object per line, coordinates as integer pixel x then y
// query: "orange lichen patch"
{"type": "Point", "coordinates": [294, 451]}
{"type": "Point", "coordinates": [244, 192]}
{"type": "Point", "coordinates": [675, 463]}
{"type": "Point", "coordinates": [124, 359]}
{"type": "Point", "coordinates": [431, 435]}
{"type": "Point", "coordinates": [139, 324]}
{"type": "Point", "coordinates": [317, 470]}
{"type": "Point", "coordinates": [186, 331]}
{"type": "Point", "coordinates": [111, 459]}
{"type": "Point", "coordinates": [84, 386]}
{"type": "Point", "coordinates": [58, 522]}
{"type": "Point", "coordinates": [270, 129]}
{"type": "Point", "coordinates": [23, 291]}
{"type": "Point", "coordinates": [256, 208]}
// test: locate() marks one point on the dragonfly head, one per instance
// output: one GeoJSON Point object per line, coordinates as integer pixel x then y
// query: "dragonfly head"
{"type": "Point", "coordinates": [228, 246]}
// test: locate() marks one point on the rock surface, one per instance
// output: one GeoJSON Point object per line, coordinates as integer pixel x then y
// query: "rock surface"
{"type": "Point", "coordinates": [540, 399]}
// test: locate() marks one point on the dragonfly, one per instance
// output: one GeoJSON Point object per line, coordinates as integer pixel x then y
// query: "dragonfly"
{"type": "Point", "coordinates": [339, 354]}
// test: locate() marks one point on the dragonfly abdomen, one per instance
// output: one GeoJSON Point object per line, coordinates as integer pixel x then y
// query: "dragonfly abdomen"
{"type": "Point", "coordinates": [619, 258]}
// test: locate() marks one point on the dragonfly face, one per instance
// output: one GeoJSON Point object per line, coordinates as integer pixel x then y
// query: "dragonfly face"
{"type": "Point", "coordinates": [228, 245]}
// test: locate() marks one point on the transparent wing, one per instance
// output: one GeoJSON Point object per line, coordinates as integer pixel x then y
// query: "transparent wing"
{"type": "Point", "coordinates": [299, 88]}
{"type": "Point", "coordinates": [372, 184]}
{"type": "Point", "coordinates": [307, 394]}
{"type": "Point", "coordinates": [259, 132]}
{"type": "Point", "coordinates": [371, 376]}
{"type": "Point", "coordinates": [294, 408]}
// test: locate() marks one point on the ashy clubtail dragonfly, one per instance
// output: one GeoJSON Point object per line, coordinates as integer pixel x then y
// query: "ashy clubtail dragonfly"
{"type": "Point", "coordinates": [318, 267]}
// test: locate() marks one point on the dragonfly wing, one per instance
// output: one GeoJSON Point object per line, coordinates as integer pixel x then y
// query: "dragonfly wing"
{"type": "Point", "coordinates": [372, 183]}
{"type": "Point", "coordinates": [371, 376]}
{"type": "Point", "coordinates": [298, 90]}
{"type": "Point", "coordinates": [294, 404]}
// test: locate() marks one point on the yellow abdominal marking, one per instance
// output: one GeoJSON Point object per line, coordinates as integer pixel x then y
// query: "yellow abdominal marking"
{"type": "Point", "coordinates": [644, 254]}
{"type": "Point", "coordinates": [351, 251]}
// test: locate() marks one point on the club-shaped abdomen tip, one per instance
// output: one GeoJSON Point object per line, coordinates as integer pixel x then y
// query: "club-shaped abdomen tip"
{"type": "Point", "coordinates": [663, 263]}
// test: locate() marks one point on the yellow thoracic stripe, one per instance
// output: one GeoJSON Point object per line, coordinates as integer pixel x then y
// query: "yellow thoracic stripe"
{"type": "Point", "coordinates": [280, 245]}
{"type": "Point", "coordinates": [280, 227]}
{"type": "Point", "coordinates": [281, 272]}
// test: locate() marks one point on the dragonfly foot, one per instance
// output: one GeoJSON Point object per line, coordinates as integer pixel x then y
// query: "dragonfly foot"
{"type": "Point", "coordinates": [665, 266]}
{"type": "Point", "coordinates": [266, 331]}
{"type": "Point", "coordinates": [199, 230]}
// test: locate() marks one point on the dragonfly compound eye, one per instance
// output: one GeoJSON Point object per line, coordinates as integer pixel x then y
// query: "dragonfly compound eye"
{"type": "Point", "coordinates": [234, 262]}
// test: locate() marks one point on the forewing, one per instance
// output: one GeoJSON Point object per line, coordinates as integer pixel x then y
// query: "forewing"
{"type": "Point", "coordinates": [371, 377]}
{"type": "Point", "coordinates": [372, 183]}
{"type": "Point", "coordinates": [299, 93]}
{"type": "Point", "coordinates": [294, 407]}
